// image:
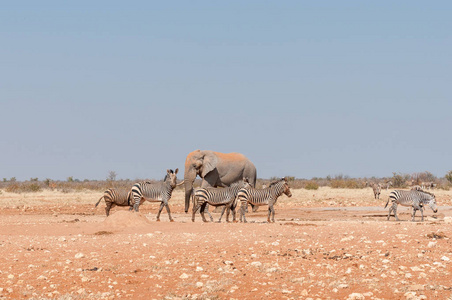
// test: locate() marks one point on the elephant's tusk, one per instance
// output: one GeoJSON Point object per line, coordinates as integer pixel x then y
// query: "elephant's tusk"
{"type": "Point", "coordinates": [181, 183]}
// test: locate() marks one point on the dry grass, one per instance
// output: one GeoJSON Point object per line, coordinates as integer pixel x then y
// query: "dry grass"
{"type": "Point", "coordinates": [322, 197]}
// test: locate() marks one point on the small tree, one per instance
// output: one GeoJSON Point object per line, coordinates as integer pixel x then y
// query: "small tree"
{"type": "Point", "coordinates": [449, 176]}
{"type": "Point", "coordinates": [70, 179]}
{"type": "Point", "coordinates": [111, 176]}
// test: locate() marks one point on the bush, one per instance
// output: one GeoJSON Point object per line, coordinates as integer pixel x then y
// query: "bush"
{"type": "Point", "coordinates": [448, 176]}
{"type": "Point", "coordinates": [311, 185]}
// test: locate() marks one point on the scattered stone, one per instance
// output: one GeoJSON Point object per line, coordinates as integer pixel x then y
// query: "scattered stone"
{"type": "Point", "coordinates": [356, 296]}
{"type": "Point", "coordinates": [184, 276]}
{"type": "Point", "coordinates": [79, 255]}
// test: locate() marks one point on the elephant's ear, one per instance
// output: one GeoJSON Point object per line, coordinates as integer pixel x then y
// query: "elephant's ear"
{"type": "Point", "coordinates": [209, 163]}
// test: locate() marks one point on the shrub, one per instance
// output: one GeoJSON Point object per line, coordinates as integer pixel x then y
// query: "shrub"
{"type": "Point", "coordinates": [399, 180]}
{"type": "Point", "coordinates": [311, 185]}
{"type": "Point", "coordinates": [448, 176]}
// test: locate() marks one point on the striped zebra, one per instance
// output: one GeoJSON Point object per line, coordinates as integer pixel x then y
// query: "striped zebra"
{"type": "Point", "coordinates": [259, 197]}
{"type": "Point", "coordinates": [225, 197]}
{"type": "Point", "coordinates": [156, 192]}
{"type": "Point", "coordinates": [417, 199]}
{"type": "Point", "coordinates": [376, 189]}
{"type": "Point", "coordinates": [115, 197]}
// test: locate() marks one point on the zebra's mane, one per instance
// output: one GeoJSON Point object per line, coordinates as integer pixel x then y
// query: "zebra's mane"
{"type": "Point", "coordinates": [275, 182]}
{"type": "Point", "coordinates": [425, 192]}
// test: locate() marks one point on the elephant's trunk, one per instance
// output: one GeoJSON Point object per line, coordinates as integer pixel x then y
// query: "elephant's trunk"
{"type": "Point", "coordinates": [188, 190]}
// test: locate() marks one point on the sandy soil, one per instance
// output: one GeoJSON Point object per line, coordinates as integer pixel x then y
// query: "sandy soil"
{"type": "Point", "coordinates": [325, 244]}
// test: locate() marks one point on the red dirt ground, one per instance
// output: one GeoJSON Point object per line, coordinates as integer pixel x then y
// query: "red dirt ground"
{"type": "Point", "coordinates": [75, 252]}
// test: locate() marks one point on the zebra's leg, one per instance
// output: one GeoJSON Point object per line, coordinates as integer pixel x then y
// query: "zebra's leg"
{"type": "Point", "coordinates": [394, 209]}
{"type": "Point", "coordinates": [203, 207]}
{"type": "Point", "coordinates": [108, 207]}
{"type": "Point", "coordinates": [422, 214]}
{"type": "Point", "coordinates": [207, 211]}
{"type": "Point", "coordinates": [391, 209]}
{"type": "Point", "coordinates": [242, 211]}
{"type": "Point", "coordinates": [273, 214]}
{"type": "Point", "coordinates": [137, 201]}
{"type": "Point", "coordinates": [160, 211]}
{"type": "Point", "coordinates": [168, 211]}
{"type": "Point", "coordinates": [413, 214]}
{"type": "Point", "coordinates": [222, 213]}
{"type": "Point", "coordinates": [195, 209]}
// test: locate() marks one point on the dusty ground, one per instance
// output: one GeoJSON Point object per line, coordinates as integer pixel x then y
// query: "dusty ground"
{"type": "Point", "coordinates": [325, 244]}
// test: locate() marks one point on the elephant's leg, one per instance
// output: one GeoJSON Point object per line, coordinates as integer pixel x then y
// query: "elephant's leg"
{"type": "Point", "coordinates": [160, 211]}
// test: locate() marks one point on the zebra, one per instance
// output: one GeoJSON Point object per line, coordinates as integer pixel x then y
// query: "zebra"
{"type": "Point", "coordinates": [414, 198]}
{"type": "Point", "coordinates": [376, 187]}
{"type": "Point", "coordinates": [156, 192]}
{"type": "Point", "coordinates": [216, 197]}
{"type": "Point", "coordinates": [386, 185]}
{"type": "Point", "coordinates": [115, 197]}
{"type": "Point", "coordinates": [259, 197]}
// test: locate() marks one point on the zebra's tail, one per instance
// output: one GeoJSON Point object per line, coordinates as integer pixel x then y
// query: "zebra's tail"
{"type": "Point", "coordinates": [99, 201]}
{"type": "Point", "coordinates": [387, 203]}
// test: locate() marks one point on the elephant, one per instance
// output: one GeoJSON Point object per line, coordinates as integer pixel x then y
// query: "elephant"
{"type": "Point", "coordinates": [216, 170]}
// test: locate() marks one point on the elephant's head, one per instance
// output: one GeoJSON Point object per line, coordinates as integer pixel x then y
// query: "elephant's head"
{"type": "Point", "coordinates": [197, 163]}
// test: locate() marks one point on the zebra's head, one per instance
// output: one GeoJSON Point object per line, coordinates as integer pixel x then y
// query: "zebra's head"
{"type": "Point", "coordinates": [286, 188]}
{"type": "Point", "coordinates": [430, 200]}
{"type": "Point", "coordinates": [245, 183]}
{"type": "Point", "coordinates": [432, 205]}
{"type": "Point", "coordinates": [171, 177]}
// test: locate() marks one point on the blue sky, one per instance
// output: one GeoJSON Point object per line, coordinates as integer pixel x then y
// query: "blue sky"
{"type": "Point", "coordinates": [303, 88]}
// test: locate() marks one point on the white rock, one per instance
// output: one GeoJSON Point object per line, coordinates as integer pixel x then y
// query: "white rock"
{"type": "Point", "coordinates": [79, 255]}
{"type": "Point", "coordinates": [431, 244]}
{"type": "Point", "coordinates": [184, 276]}
{"type": "Point", "coordinates": [448, 220]}
{"type": "Point", "coordinates": [355, 296]}
{"type": "Point", "coordinates": [445, 258]}
{"type": "Point", "coordinates": [199, 284]}
{"type": "Point", "coordinates": [199, 269]}
{"type": "Point", "coordinates": [256, 264]}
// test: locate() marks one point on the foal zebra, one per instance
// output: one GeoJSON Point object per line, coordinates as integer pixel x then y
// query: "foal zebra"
{"type": "Point", "coordinates": [216, 197]}
{"type": "Point", "coordinates": [115, 197]}
{"type": "Point", "coordinates": [414, 198]}
{"type": "Point", "coordinates": [259, 197]}
{"type": "Point", "coordinates": [155, 192]}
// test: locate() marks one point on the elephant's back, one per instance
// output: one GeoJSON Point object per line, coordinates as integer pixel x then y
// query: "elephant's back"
{"type": "Point", "coordinates": [233, 156]}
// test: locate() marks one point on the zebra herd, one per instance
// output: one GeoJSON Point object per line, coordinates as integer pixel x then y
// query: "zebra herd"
{"type": "Point", "coordinates": [228, 197]}
{"type": "Point", "coordinates": [244, 193]}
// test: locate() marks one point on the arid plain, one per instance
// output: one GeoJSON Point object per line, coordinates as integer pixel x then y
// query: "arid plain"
{"type": "Point", "coordinates": [325, 244]}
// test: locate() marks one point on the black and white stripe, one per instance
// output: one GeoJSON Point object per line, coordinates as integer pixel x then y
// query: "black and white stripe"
{"type": "Point", "coordinates": [259, 197]}
{"type": "Point", "coordinates": [202, 197]}
{"type": "Point", "coordinates": [417, 199]}
{"type": "Point", "coordinates": [155, 192]}
{"type": "Point", "coordinates": [116, 197]}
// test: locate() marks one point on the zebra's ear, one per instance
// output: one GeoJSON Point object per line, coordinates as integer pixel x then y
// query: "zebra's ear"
{"type": "Point", "coordinates": [169, 171]}
{"type": "Point", "coordinates": [177, 170]}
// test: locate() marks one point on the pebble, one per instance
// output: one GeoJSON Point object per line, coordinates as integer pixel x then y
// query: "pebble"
{"type": "Point", "coordinates": [79, 255]}
{"type": "Point", "coordinates": [183, 276]}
